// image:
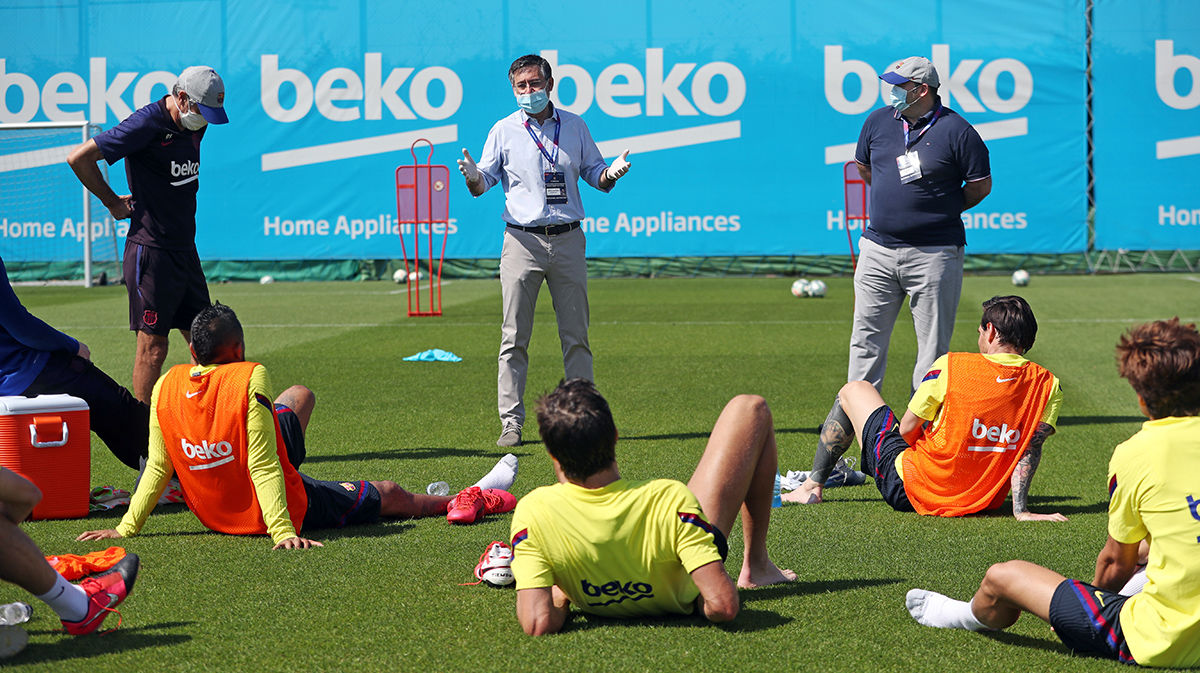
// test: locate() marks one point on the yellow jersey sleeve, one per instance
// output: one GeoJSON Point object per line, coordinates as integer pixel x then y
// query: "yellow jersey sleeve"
{"type": "Point", "coordinates": [529, 565]}
{"type": "Point", "coordinates": [154, 478]}
{"type": "Point", "coordinates": [697, 541]}
{"type": "Point", "coordinates": [262, 458]}
{"type": "Point", "coordinates": [1050, 413]}
{"type": "Point", "coordinates": [930, 395]}
{"type": "Point", "coordinates": [1125, 523]}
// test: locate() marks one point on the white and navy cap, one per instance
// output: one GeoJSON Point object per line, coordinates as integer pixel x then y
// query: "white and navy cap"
{"type": "Point", "coordinates": [912, 69]}
{"type": "Point", "coordinates": [204, 88]}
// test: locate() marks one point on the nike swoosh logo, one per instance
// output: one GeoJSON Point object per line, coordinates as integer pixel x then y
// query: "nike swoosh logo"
{"type": "Point", "coordinates": [1000, 380]}
{"type": "Point", "coordinates": [191, 394]}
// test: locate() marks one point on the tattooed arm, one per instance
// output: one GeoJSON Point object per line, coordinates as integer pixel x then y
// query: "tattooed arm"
{"type": "Point", "coordinates": [1024, 474]}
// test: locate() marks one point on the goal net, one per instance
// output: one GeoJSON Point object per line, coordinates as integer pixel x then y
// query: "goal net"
{"type": "Point", "coordinates": [45, 211]}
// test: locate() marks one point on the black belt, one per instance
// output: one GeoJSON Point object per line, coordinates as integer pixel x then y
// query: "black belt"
{"type": "Point", "coordinates": [552, 230]}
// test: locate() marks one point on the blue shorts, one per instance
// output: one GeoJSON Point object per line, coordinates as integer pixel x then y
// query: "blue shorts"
{"type": "Point", "coordinates": [333, 504]}
{"type": "Point", "coordinates": [881, 444]}
{"type": "Point", "coordinates": [1088, 620]}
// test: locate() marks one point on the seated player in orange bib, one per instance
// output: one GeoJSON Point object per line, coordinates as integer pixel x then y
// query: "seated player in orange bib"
{"type": "Point", "coordinates": [236, 454]}
{"type": "Point", "coordinates": [974, 427]}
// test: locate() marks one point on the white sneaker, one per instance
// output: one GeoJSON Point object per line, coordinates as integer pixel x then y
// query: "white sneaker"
{"type": "Point", "coordinates": [844, 474]}
{"type": "Point", "coordinates": [793, 479]}
{"type": "Point", "coordinates": [495, 565]}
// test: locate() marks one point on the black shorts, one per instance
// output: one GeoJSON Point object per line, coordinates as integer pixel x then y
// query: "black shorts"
{"type": "Point", "coordinates": [293, 435]}
{"type": "Point", "coordinates": [333, 504]}
{"type": "Point", "coordinates": [117, 418]}
{"type": "Point", "coordinates": [166, 288]}
{"type": "Point", "coordinates": [1088, 620]}
{"type": "Point", "coordinates": [881, 444]}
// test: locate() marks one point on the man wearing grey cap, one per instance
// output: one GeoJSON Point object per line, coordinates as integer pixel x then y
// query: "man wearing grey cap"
{"type": "Point", "coordinates": [161, 147]}
{"type": "Point", "coordinates": [925, 165]}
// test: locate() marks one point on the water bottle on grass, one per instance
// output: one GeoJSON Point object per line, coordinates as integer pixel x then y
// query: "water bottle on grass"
{"type": "Point", "coordinates": [15, 613]}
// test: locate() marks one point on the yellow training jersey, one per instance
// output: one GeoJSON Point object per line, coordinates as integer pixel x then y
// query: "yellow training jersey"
{"type": "Point", "coordinates": [624, 550]}
{"type": "Point", "coordinates": [1153, 490]}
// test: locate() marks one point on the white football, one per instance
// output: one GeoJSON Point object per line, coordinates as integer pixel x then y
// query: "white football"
{"type": "Point", "coordinates": [1020, 278]}
{"type": "Point", "coordinates": [266, 280]}
{"type": "Point", "coordinates": [400, 275]}
{"type": "Point", "coordinates": [497, 577]}
{"type": "Point", "coordinates": [415, 275]}
{"type": "Point", "coordinates": [816, 288]}
{"type": "Point", "coordinates": [800, 288]}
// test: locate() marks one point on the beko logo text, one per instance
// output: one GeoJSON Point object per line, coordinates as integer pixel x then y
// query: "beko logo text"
{"type": "Point", "coordinates": [953, 89]}
{"type": "Point", "coordinates": [93, 99]}
{"type": "Point", "coordinates": [342, 95]}
{"type": "Point", "coordinates": [1166, 65]}
{"type": "Point", "coordinates": [204, 450]}
{"type": "Point", "coordinates": [620, 88]}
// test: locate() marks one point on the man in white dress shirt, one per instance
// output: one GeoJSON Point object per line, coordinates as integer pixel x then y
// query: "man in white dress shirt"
{"type": "Point", "coordinates": [538, 154]}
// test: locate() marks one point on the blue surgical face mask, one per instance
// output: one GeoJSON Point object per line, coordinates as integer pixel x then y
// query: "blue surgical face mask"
{"type": "Point", "coordinates": [899, 99]}
{"type": "Point", "coordinates": [533, 102]}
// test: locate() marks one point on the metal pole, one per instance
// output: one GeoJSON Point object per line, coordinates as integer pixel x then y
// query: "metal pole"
{"type": "Point", "coordinates": [87, 222]}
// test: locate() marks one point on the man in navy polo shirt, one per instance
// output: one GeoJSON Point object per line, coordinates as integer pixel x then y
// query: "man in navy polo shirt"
{"type": "Point", "coordinates": [161, 147]}
{"type": "Point", "coordinates": [925, 165]}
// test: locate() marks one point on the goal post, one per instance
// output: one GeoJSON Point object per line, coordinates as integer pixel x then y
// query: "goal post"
{"type": "Point", "coordinates": [51, 227]}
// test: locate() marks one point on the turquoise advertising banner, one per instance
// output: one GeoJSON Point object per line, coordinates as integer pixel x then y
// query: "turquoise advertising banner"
{"type": "Point", "coordinates": [1147, 129]}
{"type": "Point", "coordinates": [738, 118]}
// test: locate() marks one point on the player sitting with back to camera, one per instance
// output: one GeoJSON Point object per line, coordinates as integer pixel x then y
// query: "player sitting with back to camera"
{"type": "Point", "coordinates": [623, 548]}
{"type": "Point", "coordinates": [974, 427]}
{"type": "Point", "coordinates": [214, 425]}
{"type": "Point", "coordinates": [1152, 489]}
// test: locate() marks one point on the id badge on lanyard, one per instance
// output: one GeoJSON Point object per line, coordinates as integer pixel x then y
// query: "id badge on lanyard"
{"type": "Point", "coordinates": [555, 181]}
{"type": "Point", "coordinates": [909, 163]}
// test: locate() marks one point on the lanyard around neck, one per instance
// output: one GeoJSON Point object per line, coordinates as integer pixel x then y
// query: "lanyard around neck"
{"type": "Point", "coordinates": [553, 159]}
{"type": "Point", "coordinates": [937, 112]}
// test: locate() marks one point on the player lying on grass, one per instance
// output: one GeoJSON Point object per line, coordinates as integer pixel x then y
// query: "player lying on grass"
{"type": "Point", "coordinates": [1153, 495]}
{"type": "Point", "coordinates": [638, 548]}
{"type": "Point", "coordinates": [81, 607]}
{"type": "Point", "coordinates": [236, 454]}
{"type": "Point", "coordinates": [974, 427]}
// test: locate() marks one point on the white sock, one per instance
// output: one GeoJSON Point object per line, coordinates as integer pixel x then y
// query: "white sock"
{"type": "Point", "coordinates": [1135, 583]}
{"type": "Point", "coordinates": [502, 475]}
{"type": "Point", "coordinates": [67, 600]}
{"type": "Point", "coordinates": [933, 609]}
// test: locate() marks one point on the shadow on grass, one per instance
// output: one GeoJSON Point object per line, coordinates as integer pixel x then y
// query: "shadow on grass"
{"type": "Point", "coordinates": [1045, 504]}
{"type": "Point", "coordinates": [417, 453]}
{"type": "Point", "coordinates": [119, 511]}
{"type": "Point", "coordinates": [704, 435]}
{"type": "Point", "coordinates": [1098, 420]}
{"type": "Point", "coordinates": [123, 639]}
{"type": "Point", "coordinates": [1041, 502]}
{"type": "Point", "coordinates": [382, 529]}
{"type": "Point", "coordinates": [819, 587]}
{"type": "Point", "coordinates": [747, 621]}
{"type": "Point", "coordinates": [1047, 644]}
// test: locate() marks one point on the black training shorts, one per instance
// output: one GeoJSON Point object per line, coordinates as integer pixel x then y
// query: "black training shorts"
{"type": "Point", "coordinates": [166, 288]}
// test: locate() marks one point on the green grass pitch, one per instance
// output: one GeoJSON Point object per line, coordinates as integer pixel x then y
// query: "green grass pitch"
{"type": "Point", "coordinates": [669, 353]}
